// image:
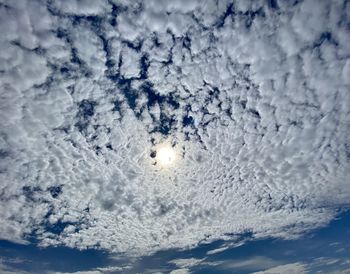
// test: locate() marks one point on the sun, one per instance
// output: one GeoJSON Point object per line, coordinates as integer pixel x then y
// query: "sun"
{"type": "Point", "coordinates": [166, 156]}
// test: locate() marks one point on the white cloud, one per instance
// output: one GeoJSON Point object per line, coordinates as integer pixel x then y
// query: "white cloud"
{"type": "Point", "coordinates": [99, 270]}
{"type": "Point", "coordinates": [79, 272]}
{"type": "Point", "coordinates": [180, 271]}
{"type": "Point", "coordinates": [217, 250]}
{"type": "Point", "coordinates": [294, 268]}
{"type": "Point", "coordinates": [257, 107]}
{"type": "Point", "coordinates": [82, 7]}
{"type": "Point", "coordinates": [250, 263]}
{"type": "Point", "coordinates": [130, 66]}
{"type": "Point", "coordinates": [186, 263]}
{"type": "Point", "coordinates": [224, 247]}
{"type": "Point", "coordinates": [5, 269]}
{"type": "Point", "coordinates": [229, 265]}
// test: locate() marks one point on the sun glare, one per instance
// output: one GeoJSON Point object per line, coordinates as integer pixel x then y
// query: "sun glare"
{"type": "Point", "coordinates": [166, 156]}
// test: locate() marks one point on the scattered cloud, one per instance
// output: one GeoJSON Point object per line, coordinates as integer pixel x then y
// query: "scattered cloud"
{"type": "Point", "coordinates": [5, 269]}
{"type": "Point", "coordinates": [224, 247]}
{"type": "Point", "coordinates": [295, 268]}
{"type": "Point", "coordinates": [247, 264]}
{"type": "Point", "coordinates": [186, 263]}
{"type": "Point", "coordinates": [79, 272]}
{"type": "Point", "coordinates": [217, 250]}
{"type": "Point", "coordinates": [258, 262]}
{"type": "Point", "coordinates": [253, 97]}
{"type": "Point", "coordinates": [180, 271]}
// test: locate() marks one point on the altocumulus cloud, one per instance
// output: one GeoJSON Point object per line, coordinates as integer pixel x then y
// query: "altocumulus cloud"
{"type": "Point", "coordinates": [252, 95]}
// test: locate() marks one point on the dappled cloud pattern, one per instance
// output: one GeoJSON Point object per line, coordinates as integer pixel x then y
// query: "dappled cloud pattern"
{"type": "Point", "coordinates": [253, 96]}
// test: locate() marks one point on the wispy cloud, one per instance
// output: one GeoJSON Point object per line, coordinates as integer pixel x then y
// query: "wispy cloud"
{"type": "Point", "coordinates": [294, 268]}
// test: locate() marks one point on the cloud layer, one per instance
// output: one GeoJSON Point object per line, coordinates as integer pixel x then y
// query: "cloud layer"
{"type": "Point", "coordinates": [253, 96]}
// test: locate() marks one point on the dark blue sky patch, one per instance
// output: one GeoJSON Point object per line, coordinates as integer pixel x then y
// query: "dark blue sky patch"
{"type": "Point", "coordinates": [152, 96]}
{"type": "Point", "coordinates": [32, 193]}
{"type": "Point", "coordinates": [144, 65]}
{"type": "Point", "coordinates": [39, 260]}
{"type": "Point", "coordinates": [67, 70]}
{"type": "Point", "coordinates": [55, 191]}
{"type": "Point", "coordinates": [109, 146]}
{"type": "Point", "coordinates": [4, 153]}
{"type": "Point", "coordinates": [94, 21]}
{"type": "Point", "coordinates": [75, 58]}
{"type": "Point", "coordinates": [58, 227]}
{"type": "Point", "coordinates": [272, 4]}
{"type": "Point", "coordinates": [153, 154]}
{"type": "Point", "coordinates": [250, 15]}
{"type": "Point", "coordinates": [156, 41]}
{"type": "Point", "coordinates": [86, 108]}
{"type": "Point", "coordinates": [114, 14]}
{"type": "Point", "coordinates": [187, 121]}
{"type": "Point", "coordinates": [166, 124]}
{"type": "Point", "coordinates": [186, 42]}
{"type": "Point", "coordinates": [117, 105]}
{"type": "Point", "coordinates": [110, 63]}
{"type": "Point", "coordinates": [171, 100]}
{"type": "Point", "coordinates": [131, 96]}
{"type": "Point", "coordinates": [64, 70]}
{"type": "Point", "coordinates": [228, 12]}
{"type": "Point", "coordinates": [135, 45]}
{"type": "Point", "coordinates": [55, 228]}
{"type": "Point", "coordinates": [255, 113]}
{"type": "Point", "coordinates": [324, 37]}
{"type": "Point", "coordinates": [61, 33]}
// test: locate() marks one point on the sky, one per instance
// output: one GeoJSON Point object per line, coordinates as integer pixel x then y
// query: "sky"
{"type": "Point", "coordinates": [174, 136]}
{"type": "Point", "coordinates": [323, 250]}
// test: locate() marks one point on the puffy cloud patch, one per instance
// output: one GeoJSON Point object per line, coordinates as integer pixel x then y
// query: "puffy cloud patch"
{"type": "Point", "coordinates": [253, 97]}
